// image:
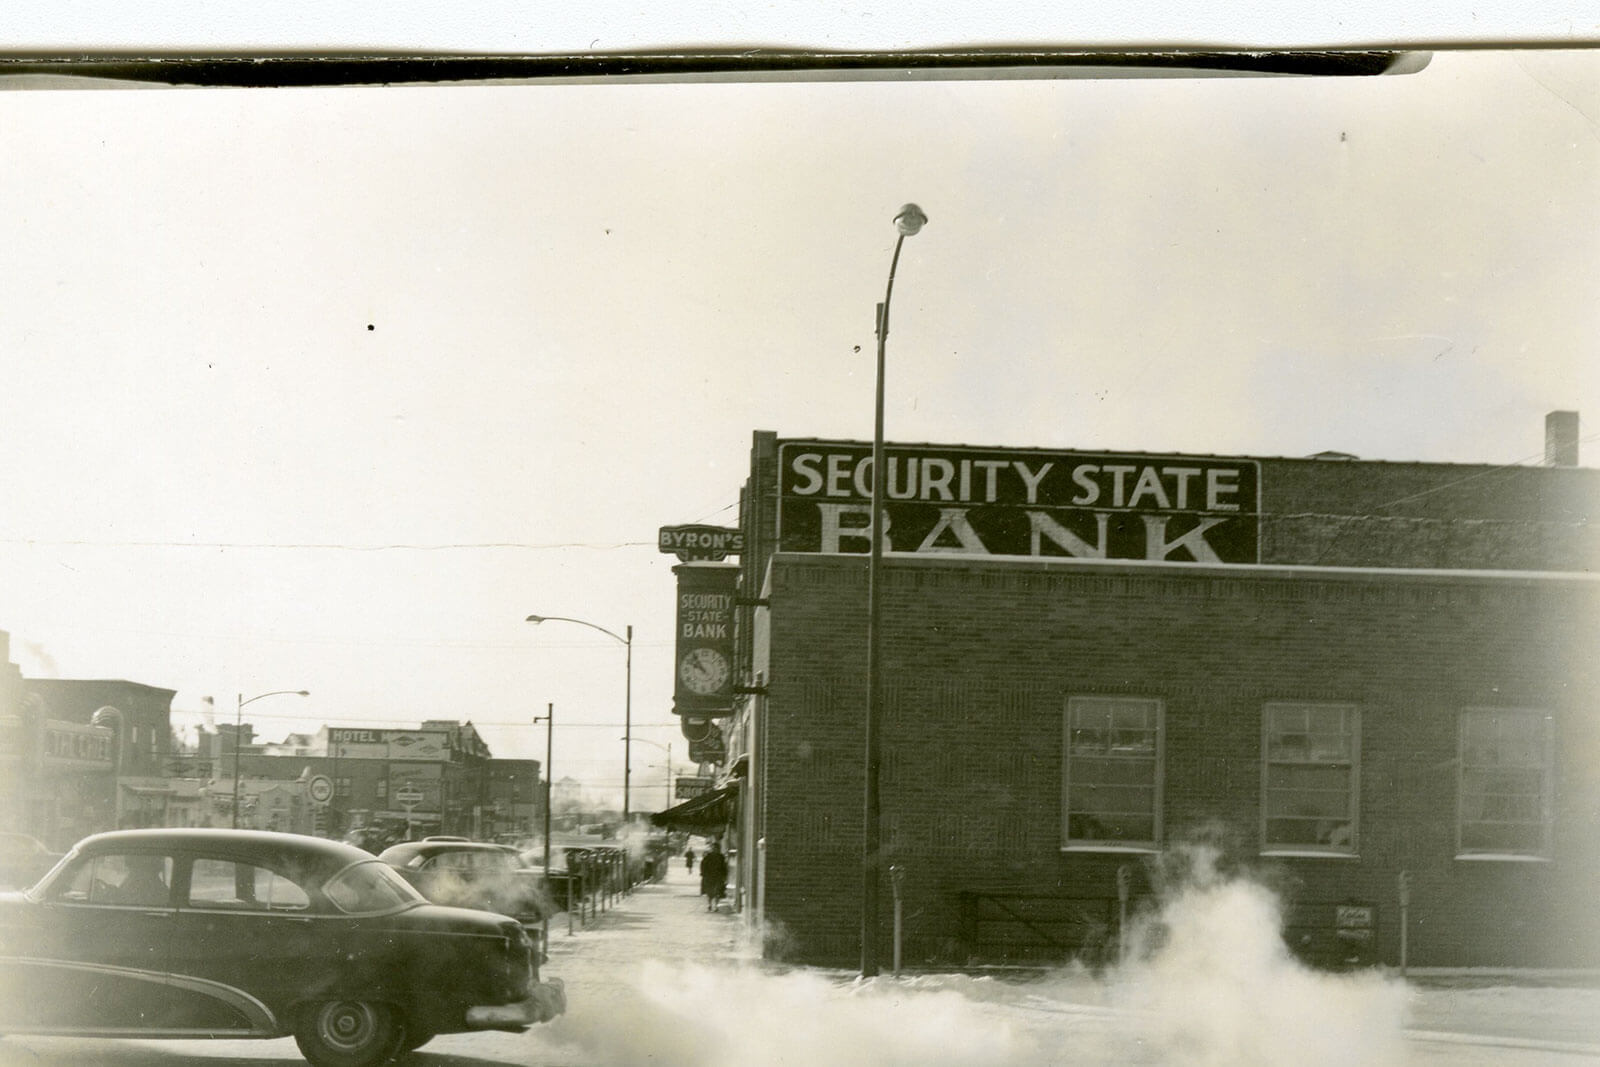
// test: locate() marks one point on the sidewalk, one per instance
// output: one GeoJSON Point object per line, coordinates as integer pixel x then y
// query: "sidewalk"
{"type": "Point", "coordinates": [664, 920]}
{"type": "Point", "coordinates": [609, 965]}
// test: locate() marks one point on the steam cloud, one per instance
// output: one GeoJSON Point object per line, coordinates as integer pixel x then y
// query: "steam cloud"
{"type": "Point", "coordinates": [1208, 983]}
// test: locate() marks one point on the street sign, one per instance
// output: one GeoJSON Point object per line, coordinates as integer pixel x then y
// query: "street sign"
{"type": "Point", "coordinates": [409, 797]}
{"type": "Point", "coordinates": [320, 789]}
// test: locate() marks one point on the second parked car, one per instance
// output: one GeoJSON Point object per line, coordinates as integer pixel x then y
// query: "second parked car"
{"type": "Point", "coordinates": [473, 874]}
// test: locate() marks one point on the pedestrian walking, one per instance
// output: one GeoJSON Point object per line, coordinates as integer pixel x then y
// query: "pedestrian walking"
{"type": "Point", "coordinates": [688, 858]}
{"type": "Point", "coordinates": [713, 876]}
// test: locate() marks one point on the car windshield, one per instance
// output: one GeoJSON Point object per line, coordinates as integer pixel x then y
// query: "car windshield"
{"type": "Point", "coordinates": [368, 887]}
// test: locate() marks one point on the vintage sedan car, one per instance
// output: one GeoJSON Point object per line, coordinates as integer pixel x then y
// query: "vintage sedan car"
{"type": "Point", "coordinates": [246, 933]}
{"type": "Point", "coordinates": [472, 874]}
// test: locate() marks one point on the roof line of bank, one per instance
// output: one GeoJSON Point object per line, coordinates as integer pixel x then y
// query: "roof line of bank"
{"type": "Point", "coordinates": [1211, 570]}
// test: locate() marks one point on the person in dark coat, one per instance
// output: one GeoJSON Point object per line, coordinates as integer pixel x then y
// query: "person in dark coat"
{"type": "Point", "coordinates": [688, 858]}
{"type": "Point", "coordinates": [713, 876]}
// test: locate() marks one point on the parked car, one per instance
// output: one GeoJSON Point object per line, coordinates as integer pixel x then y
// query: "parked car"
{"type": "Point", "coordinates": [473, 874]}
{"type": "Point", "coordinates": [23, 860]}
{"type": "Point", "coordinates": [562, 885]}
{"type": "Point", "coordinates": [253, 934]}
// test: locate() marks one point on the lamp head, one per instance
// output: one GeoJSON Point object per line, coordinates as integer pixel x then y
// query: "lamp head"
{"type": "Point", "coordinates": [302, 692]}
{"type": "Point", "coordinates": [535, 619]}
{"type": "Point", "coordinates": [910, 220]}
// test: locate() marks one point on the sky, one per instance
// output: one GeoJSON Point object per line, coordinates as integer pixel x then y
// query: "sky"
{"type": "Point", "coordinates": [329, 389]}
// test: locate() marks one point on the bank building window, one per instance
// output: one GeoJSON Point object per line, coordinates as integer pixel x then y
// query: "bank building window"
{"type": "Point", "coordinates": [1310, 771]}
{"type": "Point", "coordinates": [1111, 785]}
{"type": "Point", "coordinates": [1505, 784]}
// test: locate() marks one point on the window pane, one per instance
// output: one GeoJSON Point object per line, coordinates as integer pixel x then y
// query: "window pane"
{"type": "Point", "coordinates": [1125, 717]}
{"type": "Point", "coordinates": [1318, 804]}
{"type": "Point", "coordinates": [1327, 833]}
{"type": "Point", "coordinates": [1283, 719]}
{"type": "Point", "coordinates": [1092, 715]}
{"type": "Point", "coordinates": [1111, 770]}
{"type": "Point", "coordinates": [1110, 827]}
{"type": "Point", "coordinates": [1327, 747]}
{"type": "Point", "coordinates": [1308, 794]}
{"type": "Point", "coordinates": [1085, 739]}
{"type": "Point", "coordinates": [1504, 781]}
{"type": "Point", "coordinates": [1307, 776]}
{"type": "Point", "coordinates": [1501, 837]}
{"type": "Point", "coordinates": [242, 887]}
{"type": "Point", "coordinates": [136, 880]}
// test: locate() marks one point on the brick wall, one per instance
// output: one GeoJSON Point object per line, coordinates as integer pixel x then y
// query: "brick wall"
{"type": "Point", "coordinates": [1451, 515]}
{"type": "Point", "coordinates": [980, 656]}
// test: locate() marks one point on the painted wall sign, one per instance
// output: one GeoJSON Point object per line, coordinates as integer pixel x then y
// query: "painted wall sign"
{"type": "Point", "coordinates": [703, 676]}
{"type": "Point", "coordinates": [1020, 502]}
{"type": "Point", "coordinates": [68, 744]}
{"type": "Point", "coordinates": [388, 744]}
{"type": "Point", "coordinates": [689, 788]}
{"type": "Point", "coordinates": [698, 542]}
{"type": "Point", "coordinates": [420, 787]}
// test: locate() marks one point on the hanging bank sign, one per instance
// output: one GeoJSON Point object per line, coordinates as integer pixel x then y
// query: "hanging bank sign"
{"type": "Point", "coordinates": [1020, 502]}
{"type": "Point", "coordinates": [705, 654]}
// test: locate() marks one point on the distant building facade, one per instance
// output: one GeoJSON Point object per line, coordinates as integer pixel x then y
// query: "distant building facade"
{"type": "Point", "coordinates": [388, 783]}
{"type": "Point", "coordinates": [81, 756]}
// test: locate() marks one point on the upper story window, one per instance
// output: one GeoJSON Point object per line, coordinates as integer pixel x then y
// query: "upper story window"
{"type": "Point", "coordinates": [1310, 778]}
{"type": "Point", "coordinates": [1506, 783]}
{"type": "Point", "coordinates": [1111, 780]}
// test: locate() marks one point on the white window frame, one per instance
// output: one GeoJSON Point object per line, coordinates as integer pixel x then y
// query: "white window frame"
{"type": "Point", "coordinates": [1352, 715]}
{"type": "Point", "coordinates": [1546, 768]}
{"type": "Point", "coordinates": [1157, 782]}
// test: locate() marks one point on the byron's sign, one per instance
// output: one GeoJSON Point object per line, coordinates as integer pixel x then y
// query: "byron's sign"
{"type": "Point", "coordinates": [691, 543]}
{"type": "Point", "coordinates": [1020, 502]}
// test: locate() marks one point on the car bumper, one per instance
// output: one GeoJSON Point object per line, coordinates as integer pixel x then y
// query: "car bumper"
{"type": "Point", "coordinates": [547, 1000]}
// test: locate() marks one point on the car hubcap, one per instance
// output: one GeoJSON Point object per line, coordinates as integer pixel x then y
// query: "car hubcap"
{"type": "Point", "coordinates": [348, 1025]}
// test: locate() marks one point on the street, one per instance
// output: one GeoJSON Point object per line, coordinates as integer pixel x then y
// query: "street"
{"type": "Point", "coordinates": [658, 980]}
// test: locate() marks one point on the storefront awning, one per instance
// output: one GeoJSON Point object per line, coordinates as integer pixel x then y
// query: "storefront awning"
{"type": "Point", "coordinates": [708, 813]}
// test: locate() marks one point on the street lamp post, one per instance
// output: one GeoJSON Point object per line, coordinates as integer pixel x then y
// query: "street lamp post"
{"type": "Point", "coordinates": [907, 223]}
{"type": "Point", "coordinates": [238, 733]}
{"type": "Point", "coordinates": [627, 697]}
{"type": "Point", "coordinates": [668, 747]}
{"type": "Point", "coordinates": [549, 718]}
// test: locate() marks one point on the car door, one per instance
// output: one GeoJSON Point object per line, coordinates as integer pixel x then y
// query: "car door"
{"type": "Point", "coordinates": [93, 955]}
{"type": "Point", "coordinates": [253, 934]}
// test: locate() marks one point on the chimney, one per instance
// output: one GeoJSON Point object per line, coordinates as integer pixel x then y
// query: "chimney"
{"type": "Point", "coordinates": [1561, 439]}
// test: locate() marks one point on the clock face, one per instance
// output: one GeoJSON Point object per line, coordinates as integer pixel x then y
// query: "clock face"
{"type": "Point", "coordinates": [703, 670]}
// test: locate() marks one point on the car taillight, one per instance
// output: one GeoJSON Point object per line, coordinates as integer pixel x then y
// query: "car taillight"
{"type": "Point", "coordinates": [517, 970]}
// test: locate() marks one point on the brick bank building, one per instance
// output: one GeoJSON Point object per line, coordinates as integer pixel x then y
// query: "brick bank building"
{"type": "Point", "coordinates": [1348, 674]}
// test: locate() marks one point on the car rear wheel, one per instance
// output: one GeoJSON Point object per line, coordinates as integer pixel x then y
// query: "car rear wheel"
{"type": "Point", "coordinates": [349, 1033]}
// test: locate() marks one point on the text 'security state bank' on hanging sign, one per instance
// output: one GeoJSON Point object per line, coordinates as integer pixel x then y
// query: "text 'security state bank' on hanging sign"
{"type": "Point", "coordinates": [1020, 502]}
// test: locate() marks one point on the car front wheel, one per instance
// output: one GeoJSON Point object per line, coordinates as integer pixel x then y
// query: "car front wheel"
{"type": "Point", "coordinates": [349, 1033]}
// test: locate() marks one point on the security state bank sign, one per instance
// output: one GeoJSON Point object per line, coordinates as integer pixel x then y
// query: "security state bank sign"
{"type": "Point", "coordinates": [1020, 502]}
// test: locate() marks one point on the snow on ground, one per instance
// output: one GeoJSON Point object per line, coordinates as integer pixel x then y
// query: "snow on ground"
{"type": "Point", "coordinates": [660, 981]}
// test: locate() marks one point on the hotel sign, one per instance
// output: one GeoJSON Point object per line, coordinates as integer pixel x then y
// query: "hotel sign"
{"type": "Point", "coordinates": [1020, 502]}
{"type": "Point", "coordinates": [388, 744]}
